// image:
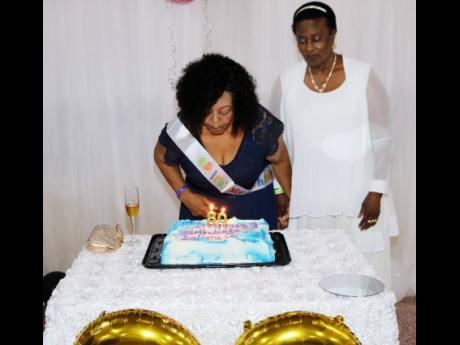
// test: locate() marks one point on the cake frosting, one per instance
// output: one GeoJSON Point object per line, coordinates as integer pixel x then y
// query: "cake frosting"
{"type": "Point", "coordinates": [194, 242]}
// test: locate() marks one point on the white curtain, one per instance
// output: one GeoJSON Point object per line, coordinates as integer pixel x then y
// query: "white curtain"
{"type": "Point", "coordinates": [107, 66]}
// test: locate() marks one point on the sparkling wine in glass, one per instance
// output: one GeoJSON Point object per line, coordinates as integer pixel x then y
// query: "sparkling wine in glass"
{"type": "Point", "coordinates": [132, 208]}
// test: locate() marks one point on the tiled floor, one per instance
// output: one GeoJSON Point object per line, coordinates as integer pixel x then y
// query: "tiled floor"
{"type": "Point", "coordinates": [405, 311]}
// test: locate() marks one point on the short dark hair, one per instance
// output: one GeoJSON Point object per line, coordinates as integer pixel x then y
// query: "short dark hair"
{"type": "Point", "coordinates": [313, 10]}
{"type": "Point", "coordinates": [204, 81]}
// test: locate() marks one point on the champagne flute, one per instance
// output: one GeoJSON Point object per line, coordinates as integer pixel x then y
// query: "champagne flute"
{"type": "Point", "coordinates": [132, 208]}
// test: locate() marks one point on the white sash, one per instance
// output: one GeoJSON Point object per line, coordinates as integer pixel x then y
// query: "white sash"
{"type": "Point", "coordinates": [207, 166]}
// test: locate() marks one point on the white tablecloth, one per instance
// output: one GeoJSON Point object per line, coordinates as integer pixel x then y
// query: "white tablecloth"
{"type": "Point", "coordinates": [213, 303]}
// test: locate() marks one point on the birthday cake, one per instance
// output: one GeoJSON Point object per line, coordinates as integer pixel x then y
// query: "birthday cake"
{"type": "Point", "coordinates": [195, 242]}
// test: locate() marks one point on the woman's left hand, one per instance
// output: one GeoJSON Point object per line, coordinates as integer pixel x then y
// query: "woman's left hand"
{"type": "Point", "coordinates": [282, 203]}
{"type": "Point", "coordinates": [370, 210]}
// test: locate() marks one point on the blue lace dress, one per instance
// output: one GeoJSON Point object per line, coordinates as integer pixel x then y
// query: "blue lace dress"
{"type": "Point", "coordinates": [244, 169]}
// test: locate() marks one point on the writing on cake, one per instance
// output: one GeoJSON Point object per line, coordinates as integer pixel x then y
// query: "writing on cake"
{"type": "Point", "coordinates": [216, 232]}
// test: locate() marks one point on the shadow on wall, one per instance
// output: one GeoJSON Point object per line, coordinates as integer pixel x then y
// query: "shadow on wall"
{"type": "Point", "coordinates": [275, 99]}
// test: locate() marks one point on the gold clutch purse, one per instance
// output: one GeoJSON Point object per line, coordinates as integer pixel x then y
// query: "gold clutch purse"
{"type": "Point", "coordinates": [105, 238]}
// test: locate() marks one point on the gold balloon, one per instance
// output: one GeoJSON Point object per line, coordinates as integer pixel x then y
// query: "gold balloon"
{"type": "Point", "coordinates": [133, 327]}
{"type": "Point", "coordinates": [298, 328]}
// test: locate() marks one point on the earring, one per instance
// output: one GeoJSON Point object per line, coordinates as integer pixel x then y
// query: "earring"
{"type": "Point", "coordinates": [333, 45]}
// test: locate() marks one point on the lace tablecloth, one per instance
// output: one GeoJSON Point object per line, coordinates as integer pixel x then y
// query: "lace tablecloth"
{"type": "Point", "coordinates": [213, 303]}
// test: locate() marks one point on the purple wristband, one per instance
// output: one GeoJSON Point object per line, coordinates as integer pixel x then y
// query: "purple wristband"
{"type": "Point", "coordinates": [181, 190]}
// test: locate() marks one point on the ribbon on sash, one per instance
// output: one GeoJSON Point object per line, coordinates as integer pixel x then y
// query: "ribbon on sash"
{"type": "Point", "coordinates": [207, 166]}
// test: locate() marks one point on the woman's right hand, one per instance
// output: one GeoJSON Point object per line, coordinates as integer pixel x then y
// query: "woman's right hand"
{"type": "Point", "coordinates": [196, 203]}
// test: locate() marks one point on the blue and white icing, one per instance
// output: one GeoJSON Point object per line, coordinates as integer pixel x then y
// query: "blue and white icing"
{"type": "Point", "coordinates": [194, 242]}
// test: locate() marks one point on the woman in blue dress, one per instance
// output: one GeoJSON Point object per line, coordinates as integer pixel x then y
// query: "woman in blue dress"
{"type": "Point", "coordinates": [227, 144]}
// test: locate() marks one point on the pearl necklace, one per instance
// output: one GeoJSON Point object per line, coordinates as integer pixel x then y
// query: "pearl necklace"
{"type": "Point", "coordinates": [321, 89]}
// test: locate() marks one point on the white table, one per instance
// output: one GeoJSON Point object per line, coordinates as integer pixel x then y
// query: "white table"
{"type": "Point", "coordinates": [213, 303]}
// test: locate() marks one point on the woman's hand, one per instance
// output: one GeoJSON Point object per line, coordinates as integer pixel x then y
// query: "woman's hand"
{"type": "Point", "coordinates": [197, 204]}
{"type": "Point", "coordinates": [282, 203]}
{"type": "Point", "coordinates": [370, 210]}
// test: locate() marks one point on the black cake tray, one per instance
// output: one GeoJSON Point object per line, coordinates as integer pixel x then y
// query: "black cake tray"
{"type": "Point", "coordinates": [152, 257]}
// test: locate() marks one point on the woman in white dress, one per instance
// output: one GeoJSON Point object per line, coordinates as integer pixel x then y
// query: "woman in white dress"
{"type": "Point", "coordinates": [338, 137]}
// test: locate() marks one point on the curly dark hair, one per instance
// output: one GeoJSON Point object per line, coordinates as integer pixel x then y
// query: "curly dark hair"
{"type": "Point", "coordinates": [204, 81]}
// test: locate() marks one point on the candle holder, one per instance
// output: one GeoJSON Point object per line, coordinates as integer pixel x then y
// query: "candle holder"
{"type": "Point", "coordinates": [222, 217]}
{"type": "Point", "coordinates": [212, 215]}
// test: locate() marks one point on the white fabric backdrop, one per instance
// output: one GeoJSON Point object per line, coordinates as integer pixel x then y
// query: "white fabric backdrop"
{"type": "Point", "coordinates": [107, 96]}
